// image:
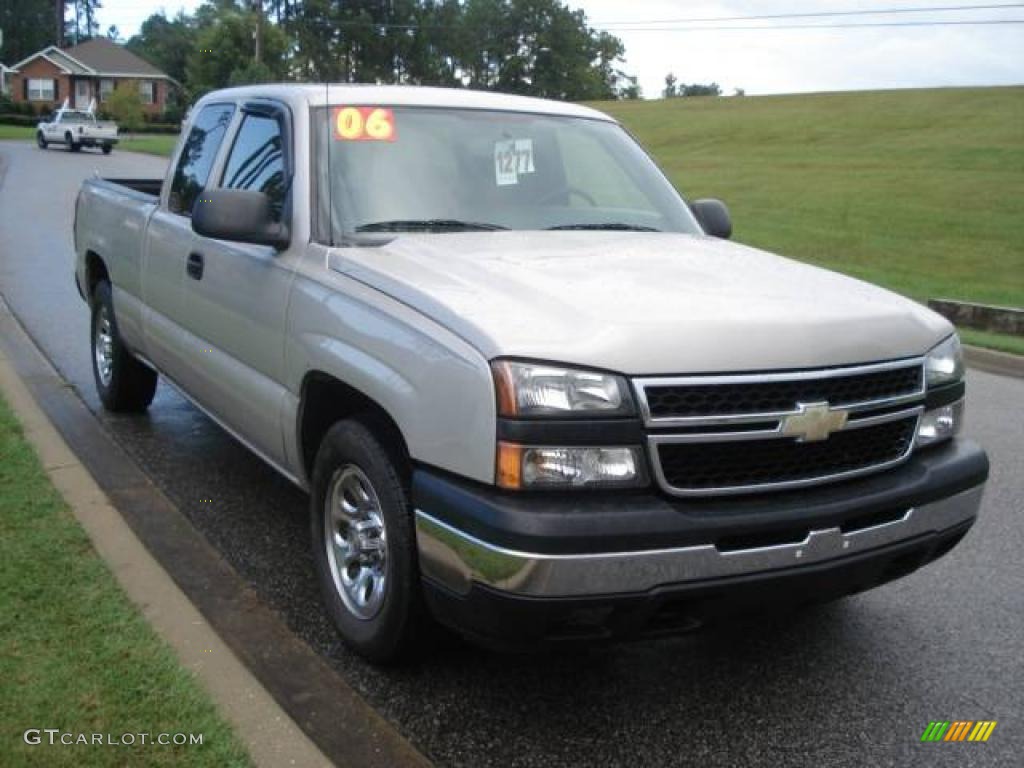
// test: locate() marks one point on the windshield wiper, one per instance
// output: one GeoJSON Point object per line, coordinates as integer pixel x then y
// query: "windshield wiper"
{"type": "Point", "coordinates": [610, 225]}
{"type": "Point", "coordinates": [415, 225]}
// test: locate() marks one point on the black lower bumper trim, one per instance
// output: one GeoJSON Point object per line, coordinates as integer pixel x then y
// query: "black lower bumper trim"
{"type": "Point", "coordinates": [503, 620]}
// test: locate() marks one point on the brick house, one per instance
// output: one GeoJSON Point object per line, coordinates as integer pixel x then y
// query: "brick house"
{"type": "Point", "coordinates": [90, 70]}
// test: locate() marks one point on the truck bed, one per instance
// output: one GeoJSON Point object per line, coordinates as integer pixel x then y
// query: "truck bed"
{"type": "Point", "coordinates": [147, 187]}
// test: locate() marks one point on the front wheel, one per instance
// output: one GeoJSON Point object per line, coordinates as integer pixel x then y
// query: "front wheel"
{"type": "Point", "coordinates": [123, 383]}
{"type": "Point", "coordinates": [364, 544]}
{"type": "Point", "coordinates": [41, 140]}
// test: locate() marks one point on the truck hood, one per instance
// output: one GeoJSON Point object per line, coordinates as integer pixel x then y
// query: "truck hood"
{"type": "Point", "coordinates": [642, 303]}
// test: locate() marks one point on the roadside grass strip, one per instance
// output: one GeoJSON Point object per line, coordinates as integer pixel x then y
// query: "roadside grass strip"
{"type": "Point", "coordinates": [75, 654]}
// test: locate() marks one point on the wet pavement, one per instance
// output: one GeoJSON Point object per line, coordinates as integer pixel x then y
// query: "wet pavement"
{"type": "Point", "coordinates": [849, 684]}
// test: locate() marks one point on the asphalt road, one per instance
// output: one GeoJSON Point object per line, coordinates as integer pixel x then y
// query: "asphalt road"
{"type": "Point", "coordinates": [845, 685]}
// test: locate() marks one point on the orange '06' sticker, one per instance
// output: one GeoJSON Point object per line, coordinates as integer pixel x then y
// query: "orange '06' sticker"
{"type": "Point", "coordinates": [363, 124]}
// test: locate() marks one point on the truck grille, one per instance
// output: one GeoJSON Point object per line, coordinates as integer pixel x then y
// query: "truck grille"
{"type": "Point", "coordinates": [753, 464]}
{"type": "Point", "coordinates": [699, 400]}
{"type": "Point", "coordinates": [711, 435]}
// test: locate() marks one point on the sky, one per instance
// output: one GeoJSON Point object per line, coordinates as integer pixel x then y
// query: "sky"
{"type": "Point", "coordinates": [776, 61]}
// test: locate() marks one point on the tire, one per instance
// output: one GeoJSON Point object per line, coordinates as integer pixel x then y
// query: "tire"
{"type": "Point", "coordinates": [107, 149]}
{"type": "Point", "coordinates": [41, 140]}
{"type": "Point", "coordinates": [390, 626]}
{"type": "Point", "coordinates": [124, 384]}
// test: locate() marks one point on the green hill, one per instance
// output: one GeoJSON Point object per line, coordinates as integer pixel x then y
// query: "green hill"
{"type": "Point", "coordinates": [920, 191]}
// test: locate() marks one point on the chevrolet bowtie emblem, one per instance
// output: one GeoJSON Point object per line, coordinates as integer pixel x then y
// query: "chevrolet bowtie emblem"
{"type": "Point", "coordinates": [813, 422]}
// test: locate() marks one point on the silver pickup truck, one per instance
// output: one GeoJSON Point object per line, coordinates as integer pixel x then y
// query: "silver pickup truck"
{"type": "Point", "coordinates": [534, 394]}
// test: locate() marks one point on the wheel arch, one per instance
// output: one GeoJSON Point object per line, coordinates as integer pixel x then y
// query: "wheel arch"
{"type": "Point", "coordinates": [95, 271]}
{"type": "Point", "coordinates": [324, 401]}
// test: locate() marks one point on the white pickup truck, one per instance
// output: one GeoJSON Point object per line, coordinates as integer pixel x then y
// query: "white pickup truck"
{"type": "Point", "coordinates": [534, 394]}
{"type": "Point", "coordinates": [76, 128]}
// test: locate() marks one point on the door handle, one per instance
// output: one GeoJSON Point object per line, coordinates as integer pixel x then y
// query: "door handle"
{"type": "Point", "coordinates": [194, 267]}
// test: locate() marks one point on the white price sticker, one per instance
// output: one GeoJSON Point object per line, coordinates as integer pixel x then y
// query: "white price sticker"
{"type": "Point", "coordinates": [512, 159]}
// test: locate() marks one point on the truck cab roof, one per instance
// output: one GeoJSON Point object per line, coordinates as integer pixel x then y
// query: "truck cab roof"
{"type": "Point", "coordinates": [322, 94]}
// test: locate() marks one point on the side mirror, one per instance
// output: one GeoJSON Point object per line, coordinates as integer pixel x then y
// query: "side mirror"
{"type": "Point", "coordinates": [240, 215]}
{"type": "Point", "coordinates": [713, 217]}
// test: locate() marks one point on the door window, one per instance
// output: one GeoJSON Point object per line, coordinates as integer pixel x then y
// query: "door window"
{"type": "Point", "coordinates": [197, 156]}
{"type": "Point", "coordinates": [257, 161]}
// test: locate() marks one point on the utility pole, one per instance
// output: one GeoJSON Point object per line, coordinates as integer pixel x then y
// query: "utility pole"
{"type": "Point", "coordinates": [257, 6]}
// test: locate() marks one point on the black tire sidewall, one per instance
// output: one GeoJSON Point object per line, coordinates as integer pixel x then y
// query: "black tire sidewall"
{"type": "Point", "coordinates": [132, 385]}
{"type": "Point", "coordinates": [102, 297]}
{"type": "Point", "coordinates": [386, 636]}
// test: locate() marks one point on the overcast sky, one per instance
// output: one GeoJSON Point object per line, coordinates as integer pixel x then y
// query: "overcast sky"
{"type": "Point", "coordinates": [778, 61]}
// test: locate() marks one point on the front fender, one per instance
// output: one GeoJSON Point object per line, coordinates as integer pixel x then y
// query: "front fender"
{"type": "Point", "coordinates": [434, 385]}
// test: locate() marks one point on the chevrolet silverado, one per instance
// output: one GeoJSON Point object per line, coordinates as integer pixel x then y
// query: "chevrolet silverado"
{"type": "Point", "coordinates": [533, 392]}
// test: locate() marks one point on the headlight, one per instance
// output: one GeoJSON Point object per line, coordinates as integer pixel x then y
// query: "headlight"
{"type": "Point", "coordinates": [940, 424]}
{"type": "Point", "coordinates": [945, 363]}
{"type": "Point", "coordinates": [536, 389]}
{"type": "Point", "coordinates": [524, 467]}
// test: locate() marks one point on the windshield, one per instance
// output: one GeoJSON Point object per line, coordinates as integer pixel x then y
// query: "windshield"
{"type": "Point", "coordinates": [404, 169]}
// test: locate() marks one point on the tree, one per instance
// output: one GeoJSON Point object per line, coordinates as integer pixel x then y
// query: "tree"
{"type": "Point", "coordinates": [534, 47]}
{"type": "Point", "coordinates": [28, 26]}
{"type": "Point", "coordinates": [700, 90]}
{"type": "Point", "coordinates": [628, 88]}
{"type": "Point", "coordinates": [670, 86]}
{"type": "Point", "coordinates": [225, 50]}
{"type": "Point", "coordinates": [166, 43]}
{"type": "Point", "coordinates": [84, 23]}
{"type": "Point", "coordinates": [674, 88]}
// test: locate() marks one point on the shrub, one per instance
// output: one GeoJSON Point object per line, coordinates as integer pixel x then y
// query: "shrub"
{"type": "Point", "coordinates": [15, 119]}
{"type": "Point", "coordinates": [125, 106]}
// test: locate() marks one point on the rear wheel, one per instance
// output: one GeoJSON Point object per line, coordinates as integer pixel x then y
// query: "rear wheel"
{"type": "Point", "coordinates": [107, 149]}
{"type": "Point", "coordinates": [364, 544]}
{"type": "Point", "coordinates": [123, 383]}
{"type": "Point", "coordinates": [41, 140]}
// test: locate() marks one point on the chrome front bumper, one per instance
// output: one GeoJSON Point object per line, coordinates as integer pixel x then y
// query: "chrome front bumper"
{"type": "Point", "coordinates": [456, 560]}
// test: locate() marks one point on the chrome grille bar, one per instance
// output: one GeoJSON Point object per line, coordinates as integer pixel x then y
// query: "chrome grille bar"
{"type": "Point", "coordinates": [643, 384]}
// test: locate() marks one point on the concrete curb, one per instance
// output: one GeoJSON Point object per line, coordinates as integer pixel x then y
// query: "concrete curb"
{"type": "Point", "coordinates": [287, 705]}
{"type": "Point", "coordinates": [991, 361]}
{"type": "Point", "coordinates": [270, 735]}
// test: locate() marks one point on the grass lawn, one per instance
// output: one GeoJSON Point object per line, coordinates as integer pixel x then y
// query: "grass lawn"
{"type": "Point", "coordinates": [919, 191]}
{"type": "Point", "coordinates": [1000, 341]}
{"type": "Point", "coordinates": [74, 652]}
{"type": "Point", "coordinates": [16, 132]}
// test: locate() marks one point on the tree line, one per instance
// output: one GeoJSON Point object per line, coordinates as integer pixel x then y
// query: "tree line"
{"type": "Point", "coordinates": [531, 47]}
